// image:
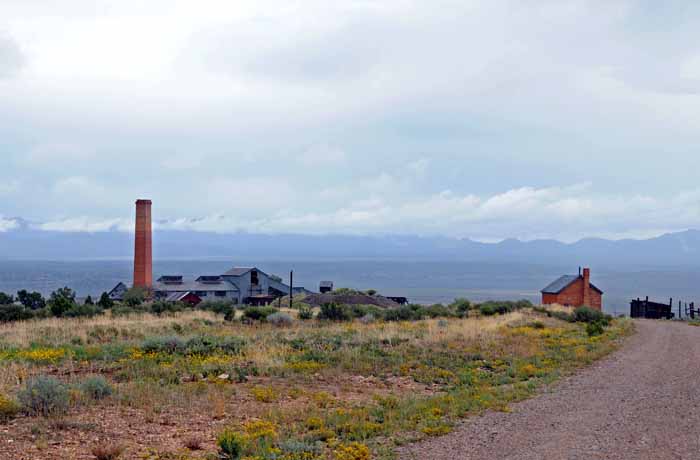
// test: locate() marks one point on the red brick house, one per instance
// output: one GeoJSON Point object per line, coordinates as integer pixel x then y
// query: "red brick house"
{"type": "Point", "coordinates": [574, 291]}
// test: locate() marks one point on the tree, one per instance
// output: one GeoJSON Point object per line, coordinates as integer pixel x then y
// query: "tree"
{"type": "Point", "coordinates": [135, 296]}
{"type": "Point", "coordinates": [31, 300]}
{"type": "Point", "coordinates": [6, 299]}
{"type": "Point", "coordinates": [88, 300]}
{"type": "Point", "coordinates": [61, 301]}
{"type": "Point", "coordinates": [105, 301]}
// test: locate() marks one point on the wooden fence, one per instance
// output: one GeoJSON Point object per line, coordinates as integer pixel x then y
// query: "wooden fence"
{"type": "Point", "coordinates": [651, 310]}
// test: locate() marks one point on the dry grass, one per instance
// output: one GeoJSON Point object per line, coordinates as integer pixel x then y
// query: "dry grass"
{"type": "Point", "coordinates": [64, 330]}
{"type": "Point", "coordinates": [107, 452]}
{"type": "Point", "coordinates": [557, 307]}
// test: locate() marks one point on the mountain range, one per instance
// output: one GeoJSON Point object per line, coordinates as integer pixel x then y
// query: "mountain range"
{"type": "Point", "coordinates": [668, 250]}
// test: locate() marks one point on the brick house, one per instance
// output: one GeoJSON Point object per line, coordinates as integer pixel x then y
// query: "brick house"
{"type": "Point", "coordinates": [574, 291]}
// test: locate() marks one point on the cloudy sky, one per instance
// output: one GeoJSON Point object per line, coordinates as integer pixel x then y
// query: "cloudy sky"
{"type": "Point", "coordinates": [483, 119]}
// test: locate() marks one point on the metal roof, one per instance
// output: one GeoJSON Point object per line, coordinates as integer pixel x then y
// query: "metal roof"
{"type": "Point", "coordinates": [224, 286]}
{"type": "Point", "coordinates": [562, 283]}
{"type": "Point", "coordinates": [177, 296]}
{"type": "Point", "coordinates": [238, 271]}
{"type": "Point", "coordinates": [119, 287]}
{"type": "Point", "coordinates": [209, 279]}
{"type": "Point", "coordinates": [170, 279]}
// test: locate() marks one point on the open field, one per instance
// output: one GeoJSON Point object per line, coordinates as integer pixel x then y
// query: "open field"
{"type": "Point", "coordinates": [313, 390]}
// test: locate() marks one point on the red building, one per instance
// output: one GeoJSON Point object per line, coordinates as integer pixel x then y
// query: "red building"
{"type": "Point", "coordinates": [574, 291]}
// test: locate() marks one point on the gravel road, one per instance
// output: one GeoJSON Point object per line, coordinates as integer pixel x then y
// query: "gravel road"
{"type": "Point", "coordinates": [642, 402]}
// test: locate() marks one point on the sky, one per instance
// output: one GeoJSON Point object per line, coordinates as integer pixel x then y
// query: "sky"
{"type": "Point", "coordinates": [471, 119]}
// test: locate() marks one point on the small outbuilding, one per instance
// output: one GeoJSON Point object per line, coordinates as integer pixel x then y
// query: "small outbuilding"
{"type": "Point", "coordinates": [185, 297]}
{"type": "Point", "coordinates": [117, 292]}
{"type": "Point", "coordinates": [325, 286]}
{"type": "Point", "coordinates": [574, 291]}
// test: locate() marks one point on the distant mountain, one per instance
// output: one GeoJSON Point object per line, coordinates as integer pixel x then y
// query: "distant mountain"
{"type": "Point", "coordinates": [674, 249]}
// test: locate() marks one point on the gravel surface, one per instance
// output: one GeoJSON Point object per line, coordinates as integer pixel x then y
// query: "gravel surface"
{"type": "Point", "coordinates": [642, 402]}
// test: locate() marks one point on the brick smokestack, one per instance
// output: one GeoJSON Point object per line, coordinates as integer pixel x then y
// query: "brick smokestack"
{"type": "Point", "coordinates": [143, 247]}
{"type": "Point", "coordinates": [587, 287]}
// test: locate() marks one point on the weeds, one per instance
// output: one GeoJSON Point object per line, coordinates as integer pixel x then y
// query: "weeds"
{"type": "Point", "coordinates": [44, 396]}
{"type": "Point", "coordinates": [96, 387]}
{"type": "Point", "coordinates": [8, 408]}
{"type": "Point", "coordinates": [107, 452]}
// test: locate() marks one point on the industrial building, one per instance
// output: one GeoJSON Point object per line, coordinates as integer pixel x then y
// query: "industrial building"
{"type": "Point", "coordinates": [240, 285]}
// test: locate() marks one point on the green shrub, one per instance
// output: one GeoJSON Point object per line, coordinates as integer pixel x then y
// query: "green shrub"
{"type": "Point", "coordinates": [31, 300]}
{"type": "Point", "coordinates": [205, 345]}
{"type": "Point", "coordinates": [220, 307]}
{"type": "Point", "coordinates": [561, 315]}
{"type": "Point", "coordinates": [160, 307]}
{"type": "Point", "coordinates": [258, 313]}
{"type": "Point", "coordinates": [61, 301]}
{"type": "Point", "coordinates": [438, 311]}
{"type": "Point", "coordinates": [293, 449]}
{"type": "Point", "coordinates": [502, 307]}
{"type": "Point", "coordinates": [197, 345]}
{"type": "Point", "coordinates": [44, 396]}
{"type": "Point", "coordinates": [8, 408]}
{"type": "Point", "coordinates": [123, 310]}
{"type": "Point", "coordinates": [6, 299]}
{"type": "Point", "coordinates": [86, 310]}
{"type": "Point", "coordinates": [163, 345]}
{"type": "Point", "coordinates": [230, 445]}
{"type": "Point", "coordinates": [461, 306]}
{"type": "Point", "coordinates": [405, 313]}
{"type": "Point", "coordinates": [96, 387]}
{"type": "Point", "coordinates": [306, 313]}
{"type": "Point", "coordinates": [358, 311]}
{"type": "Point", "coordinates": [524, 303]}
{"type": "Point", "coordinates": [335, 312]}
{"type": "Point", "coordinates": [280, 319]}
{"type": "Point", "coordinates": [105, 301]}
{"type": "Point", "coordinates": [594, 328]}
{"type": "Point", "coordinates": [134, 296]}
{"type": "Point", "coordinates": [590, 315]}
{"type": "Point", "coordinates": [14, 312]}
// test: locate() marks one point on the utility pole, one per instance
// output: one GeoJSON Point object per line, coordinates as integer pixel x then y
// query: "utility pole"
{"type": "Point", "coordinates": [291, 288]}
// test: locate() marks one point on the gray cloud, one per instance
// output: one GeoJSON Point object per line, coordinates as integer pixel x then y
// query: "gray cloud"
{"type": "Point", "coordinates": [11, 57]}
{"type": "Point", "coordinates": [442, 117]}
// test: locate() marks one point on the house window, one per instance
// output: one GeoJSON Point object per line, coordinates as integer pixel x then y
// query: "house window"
{"type": "Point", "coordinates": [200, 293]}
{"type": "Point", "coordinates": [254, 278]}
{"type": "Point", "coordinates": [220, 293]}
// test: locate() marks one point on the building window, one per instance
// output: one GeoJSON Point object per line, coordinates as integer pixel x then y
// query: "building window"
{"type": "Point", "coordinates": [254, 278]}
{"type": "Point", "coordinates": [200, 293]}
{"type": "Point", "coordinates": [220, 293]}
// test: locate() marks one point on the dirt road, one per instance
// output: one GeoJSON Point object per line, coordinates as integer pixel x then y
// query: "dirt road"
{"type": "Point", "coordinates": [643, 402]}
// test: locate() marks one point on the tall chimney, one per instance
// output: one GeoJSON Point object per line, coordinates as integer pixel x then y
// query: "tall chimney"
{"type": "Point", "coordinates": [587, 287]}
{"type": "Point", "coordinates": [143, 248]}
